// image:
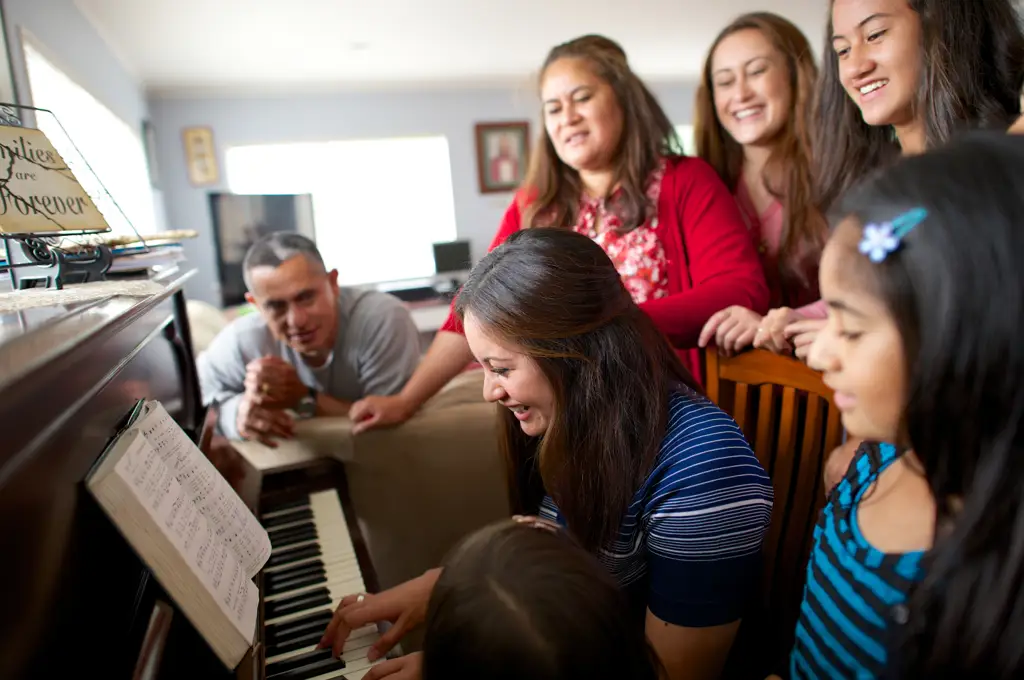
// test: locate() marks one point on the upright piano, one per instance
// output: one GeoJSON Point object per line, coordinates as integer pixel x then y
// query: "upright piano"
{"type": "Point", "coordinates": [76, 598]}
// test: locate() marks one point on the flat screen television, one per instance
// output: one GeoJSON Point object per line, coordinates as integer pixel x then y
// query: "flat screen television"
{"type": "Point", "coordinates": [239, 220]}
{"type": "Point", "coordinates": [451, 257]}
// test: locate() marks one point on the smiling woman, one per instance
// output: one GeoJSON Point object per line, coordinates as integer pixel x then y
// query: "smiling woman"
{"type": "Point", "coordinates": [753, 117]}
{"type": "Point", "coordinates": [607, 168]}
{"type": "Point", "coordinates": [605, 434]}
{"type": "Point", "coordinates": [901, 76]}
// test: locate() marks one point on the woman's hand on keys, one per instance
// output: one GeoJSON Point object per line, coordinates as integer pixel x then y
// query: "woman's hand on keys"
{"type": "Point", "coordinates": [408, 667]}
{"type": "Point", "coordinates": [405, 606]}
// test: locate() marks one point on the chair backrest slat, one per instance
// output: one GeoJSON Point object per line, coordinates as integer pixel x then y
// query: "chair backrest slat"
{"type": "Point", "coordinates": [740, 407]}
{"type": "Point", "coordinates": [796, 426]}
{"type": "Point", "coordinates": [765, 425]}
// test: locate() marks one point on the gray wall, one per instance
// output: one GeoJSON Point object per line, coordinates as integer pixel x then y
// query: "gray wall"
{"type": "Point", "coordinates": [366, 115]}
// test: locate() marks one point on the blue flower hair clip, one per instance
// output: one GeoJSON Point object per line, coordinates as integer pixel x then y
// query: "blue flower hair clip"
{"type": "Point", "coordinates": [881, 239]}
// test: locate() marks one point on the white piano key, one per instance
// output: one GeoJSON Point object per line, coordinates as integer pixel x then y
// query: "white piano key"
{"type": "Point", "coordinates": [341, 569]}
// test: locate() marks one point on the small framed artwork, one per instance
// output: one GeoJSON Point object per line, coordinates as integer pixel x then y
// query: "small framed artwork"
{"type": "Point", "coordinates": [200, 156]}
{"type": "Point", "coordinates": [502, 154]}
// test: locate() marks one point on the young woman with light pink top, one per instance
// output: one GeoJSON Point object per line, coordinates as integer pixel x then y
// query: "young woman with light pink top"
{"type": "Point", "coordinates": [752, 123]}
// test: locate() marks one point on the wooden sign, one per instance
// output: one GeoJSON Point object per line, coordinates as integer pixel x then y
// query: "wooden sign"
{"type": "Point", "coordinates": [38, 192]}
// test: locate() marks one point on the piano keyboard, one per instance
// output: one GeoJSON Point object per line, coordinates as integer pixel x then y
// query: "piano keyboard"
{"type": "Point", "coordinates": [312, 566]}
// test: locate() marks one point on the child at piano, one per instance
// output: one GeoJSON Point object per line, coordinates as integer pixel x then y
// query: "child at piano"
{"type": "Point", "coordinates": [917, 569]}
{"type": "Point", "coordinates": [605, 432]}
{"type": "Point", "coordinates": [519, 600]}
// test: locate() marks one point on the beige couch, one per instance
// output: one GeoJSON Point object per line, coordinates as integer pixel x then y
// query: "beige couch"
{"type": "Point", "coordinates": [420, 487]}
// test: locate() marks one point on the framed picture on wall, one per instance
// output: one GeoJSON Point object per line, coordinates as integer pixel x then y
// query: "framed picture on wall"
{"type": "Point", "coordinates": [502, 154]}
{"type": "Point", "coordinates": [200, 156]}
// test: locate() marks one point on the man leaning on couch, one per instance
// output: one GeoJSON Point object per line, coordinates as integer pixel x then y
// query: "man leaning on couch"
{"type": "Point", "coordinates": [313, 347]}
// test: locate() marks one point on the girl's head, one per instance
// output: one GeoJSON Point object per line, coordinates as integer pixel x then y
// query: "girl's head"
{"type": "Point", "coordinates": [924, 69]}
{"type": "Point", "coordinates": [516, 601]}
{"type": "Point", "coordinates": [757, 91]}
{"type": "Point", "coordinates": [924, 349]}
{"type": "Point", "coordinates": [598, 117]}
{"type": "Point", "coordinates": [583, 377]}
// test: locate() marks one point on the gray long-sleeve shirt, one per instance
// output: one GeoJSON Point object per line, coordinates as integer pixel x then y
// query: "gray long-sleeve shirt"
{"type": "Point", "coordinates": [375, 352]}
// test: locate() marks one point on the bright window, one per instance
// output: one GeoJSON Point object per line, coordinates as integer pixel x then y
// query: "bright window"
{"type": "Point", "coordinates": [378, 205]}
{"type": "Point", "coordinates": [113, 148]}
{"type": "Point", "coordinates": [685, 133]}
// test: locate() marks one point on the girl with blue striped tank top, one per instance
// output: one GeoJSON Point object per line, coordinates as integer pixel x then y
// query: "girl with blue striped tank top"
{"type": "Point", "coordinates": [917, 566]}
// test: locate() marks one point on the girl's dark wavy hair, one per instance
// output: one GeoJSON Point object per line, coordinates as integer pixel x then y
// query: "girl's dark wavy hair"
{"type": "Point", "coordinates": [955, 289]}
{"type": "Point", "coordinates": [516, 602]}
{"type": "Point", "coordinates": [555, 295]}
{"type": "Point", "coordinates": [972, 70]}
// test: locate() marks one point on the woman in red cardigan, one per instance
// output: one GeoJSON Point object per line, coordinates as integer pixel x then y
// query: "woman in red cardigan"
{"type": "Point", "coordinates": [606, 168]}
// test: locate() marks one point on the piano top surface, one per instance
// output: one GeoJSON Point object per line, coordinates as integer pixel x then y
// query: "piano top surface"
{"type": "Point", "coordinates": [32, 337]}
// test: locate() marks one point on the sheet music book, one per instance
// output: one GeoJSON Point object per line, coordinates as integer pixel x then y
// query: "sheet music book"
{"type": "Point", "coordinates": [187, 524]}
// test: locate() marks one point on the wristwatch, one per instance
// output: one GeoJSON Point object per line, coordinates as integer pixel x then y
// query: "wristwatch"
{"type": "Point", "coordinates": [307, 405]}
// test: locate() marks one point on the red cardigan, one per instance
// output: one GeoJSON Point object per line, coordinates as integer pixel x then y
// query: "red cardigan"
{"type": "Point", "coordinates": [712, 263]}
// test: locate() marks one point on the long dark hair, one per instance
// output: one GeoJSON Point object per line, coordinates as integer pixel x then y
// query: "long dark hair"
{"type": "Point", "coordinates": [956, 292]}
{"type": "Point", "coordinates": [972, 69]}
{"type": "Point", "coordinates": [554, 188]}
{"type": "Point", "coordinates": [514, 601]}
{"type": "Point", "coordinates": [555, 294]}
{"type": "Point", "coordinates": [787, 173]}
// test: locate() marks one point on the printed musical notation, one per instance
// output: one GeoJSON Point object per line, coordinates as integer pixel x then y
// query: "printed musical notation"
{"type": "Point", "coordinates": [195, 538]}
{"type": "Point", "coordinates": [235, 526]}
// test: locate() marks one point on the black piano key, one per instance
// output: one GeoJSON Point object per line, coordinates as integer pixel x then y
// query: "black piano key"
{"type": "Point", "coordinates": [320, 617]}
{"type": "Point", "coordinates": [294, 529]}
{"type": "Point", "coordinates": [292, 538]}
{"type": "Point", "coordinates": [293, 643]}
{"type": "Point", "coordinates": [303, 661]}
{"type": "Point", "coordinates": [288, 573]}
{"type": "Point", "coordinates": [311, 671]}
{"type": "Point", "coordinates": [297, 503]}
{"type": "Point", "coordinates": [283, 557]}
{"type": "Point", "coordinates": [286, 515]}
{"type": "Point", "coordinates": [288, 518]}
{"type": "Point", "coordinates": [300, 627]}
{"type": "Point", "coordinates": [297, 603]}
{"type": "Point", "coordinates": [296, 583]}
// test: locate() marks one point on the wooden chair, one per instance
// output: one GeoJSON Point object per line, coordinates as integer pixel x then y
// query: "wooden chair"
{"type": "Point", "coordinates": [786, 413]}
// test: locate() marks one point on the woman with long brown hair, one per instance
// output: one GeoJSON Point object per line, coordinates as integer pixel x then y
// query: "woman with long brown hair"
{"type": "Point", "coordinates": [752, 124]}
{"type": "Point", "coordinates": [605, 433]}
{"type": "Point", "coordinates": [605, 167]}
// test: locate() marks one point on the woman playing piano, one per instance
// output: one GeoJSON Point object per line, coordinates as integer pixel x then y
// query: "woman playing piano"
{"type": "Point", "coordinates": [605, 433]}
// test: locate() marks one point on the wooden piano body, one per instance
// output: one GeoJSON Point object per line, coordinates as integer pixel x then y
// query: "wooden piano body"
{"type": "Point", "coordinates": [76, 598]}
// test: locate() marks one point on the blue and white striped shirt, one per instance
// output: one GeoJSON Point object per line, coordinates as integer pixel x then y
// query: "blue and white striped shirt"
{"type": "Point", "coordinates": [690, 544]}
{"type": "Point", "coordinates": [854, 594]}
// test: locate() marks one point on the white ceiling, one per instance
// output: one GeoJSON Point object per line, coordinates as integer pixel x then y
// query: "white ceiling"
{"type": "Point", "coordinates": [260, 45]}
